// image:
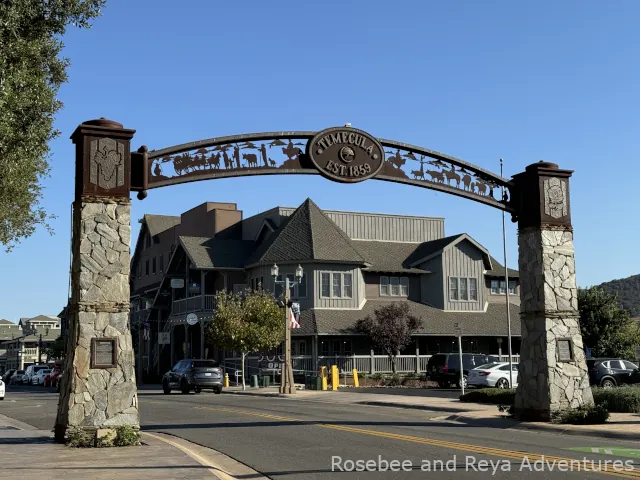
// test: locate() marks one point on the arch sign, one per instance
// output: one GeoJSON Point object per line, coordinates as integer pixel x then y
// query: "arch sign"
{"type": "Point", "coordinates": [107, 171]}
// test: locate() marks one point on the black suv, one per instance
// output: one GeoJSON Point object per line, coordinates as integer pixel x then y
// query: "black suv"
{"type": "Point", "coordinates": [196, 375]}
{"type": "Point", "coordinates": [444, 368]}
{"type": "Point", "coordinates": [611, 372]}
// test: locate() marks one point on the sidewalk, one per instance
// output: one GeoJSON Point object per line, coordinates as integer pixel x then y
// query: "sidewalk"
{"type": "Point", "coordinates": [31, 453]}
{"type": "Point", "coordinates": [624, 426]}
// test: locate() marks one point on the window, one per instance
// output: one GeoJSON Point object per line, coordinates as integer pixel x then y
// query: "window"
{"type": "Point", "coordinates": [384, 286]}
{"type": "Point", "coordinates": [348, 349]}
{"type": "Point", "coordinates": [503, 287]}
{"type": "Point", "coordinates": [324, 349]}
{"type": "Point", "coordinates": [300, 347]}
{"type": "Point", "coordinates": [348, 288]}
{"type": "Point", "coordinates": [494, 287]}
{"type": "Point", "coordinates": [464, 293]}
{"type": "Point", "coordinates": [153, 266]}
{"type": "Point", "coordinates": [161, 262]}
{"type": "Point", "coordinates": [512, 287]}
{"type": "Point", "coordinates": [337, 285]}
{"type": "Point", "coordinates": [395, 286]}
{"type": "Point", "coordinates": [279, 288]}
{"type": "Point", "coordinates": [302, 289]}
{"type": "Point", "coordinates": [325, 287]}
{"type": "Point", "coordinates": [146, 267]}
{"type": "Point", "coordinates": [404, 286]}
{"type": "Point", "coordinates": [336, 347]}
{"type": "Point", "coordinates": [261, 284]}
{"type": "Point", "coordinates": [453, 288]}
{"type": "Point", "coordinates": [629, 365]}
{"type": "Point", "coordinates": [473, 289]}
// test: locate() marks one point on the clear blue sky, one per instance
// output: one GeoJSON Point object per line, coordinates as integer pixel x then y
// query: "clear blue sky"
{"type": "Point", "coordinates": [525, 81]}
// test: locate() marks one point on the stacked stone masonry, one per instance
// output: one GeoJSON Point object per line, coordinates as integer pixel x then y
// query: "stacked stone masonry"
{"type": "Point", "coordinates": [98, 397]}
{"type": "Point", "coordinates": [549, 311]}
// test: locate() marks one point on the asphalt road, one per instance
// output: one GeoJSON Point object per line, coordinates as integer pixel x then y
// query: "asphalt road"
{"type": "Point", "coordinates": [296, 439]}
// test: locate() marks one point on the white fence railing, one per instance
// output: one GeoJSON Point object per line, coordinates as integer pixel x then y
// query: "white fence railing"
{"type": "Point", "coordinates": [193, 304]}
{"type": "Point", "coordinates": [362, 363]}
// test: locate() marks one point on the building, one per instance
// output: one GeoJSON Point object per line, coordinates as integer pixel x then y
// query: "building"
{"type": "Point", "coordinates": [25, 343]}
{"type": "Point", "coordinates": [353, 262]}
{"type": "Point", "coordinates": [8, 331]}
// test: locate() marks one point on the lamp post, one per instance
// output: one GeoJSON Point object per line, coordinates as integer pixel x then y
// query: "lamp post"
{"type": "Point", "coordinates": [287, 384]}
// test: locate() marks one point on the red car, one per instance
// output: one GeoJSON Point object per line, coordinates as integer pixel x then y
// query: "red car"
{"type": "Point", "coordinates": [50, 379]}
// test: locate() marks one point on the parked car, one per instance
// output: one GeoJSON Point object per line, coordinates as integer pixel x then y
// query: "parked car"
{"type": "Point", "coordinates": [38, 378]}
{"type": "Point", "coordinates": [444, 368]}
{"type": "Point", "coordinates": [1, 390]}
{"type": "Point", "coordinates": [31, 370]}
{"type": "Point", "coordinates": [16, 377]}
{"type": "Point", "coordinates": [50, 378]}
{"type": "Point", "coordinates": [611, 372]}
{"type": "Point", "coordinates": [7, 375]}
{"type": "Point", "coordinates": [194, 374]}
{"type": "Point", "coordinates": [495, 374]}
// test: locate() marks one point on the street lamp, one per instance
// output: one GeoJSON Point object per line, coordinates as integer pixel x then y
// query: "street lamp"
{"type": "Point", "coordinates": [287, 384]}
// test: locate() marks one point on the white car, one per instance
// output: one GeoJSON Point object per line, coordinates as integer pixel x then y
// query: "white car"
{"type": "Point", "coordinates": [494, 374]}
{"type": "Point", "coordinates": [1, 390]}
{"type": "Point", "coordinates": [38, 378]}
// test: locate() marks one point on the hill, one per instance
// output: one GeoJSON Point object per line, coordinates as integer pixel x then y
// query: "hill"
{"type": "Point", "coordinates": [628, 291]}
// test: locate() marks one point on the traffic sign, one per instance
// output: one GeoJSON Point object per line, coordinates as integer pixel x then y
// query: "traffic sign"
{"type": "Point", "coordinates": [192, 319]}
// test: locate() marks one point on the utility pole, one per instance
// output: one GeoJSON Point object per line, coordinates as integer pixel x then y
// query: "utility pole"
{"type": "Point", "coordinates": [287, 385]}
{"type": "Point", "coordinates": [40, 350]}
{"type": "Point", "coordinates": [506, 281]}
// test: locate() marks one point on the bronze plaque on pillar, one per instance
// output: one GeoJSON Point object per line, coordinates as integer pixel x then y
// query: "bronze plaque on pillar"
{"type": "Point", "coordinates": [565, 349]}
{"type": "Point", "coordinates": [104, 352]}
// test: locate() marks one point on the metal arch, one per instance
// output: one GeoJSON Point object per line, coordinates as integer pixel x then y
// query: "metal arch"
{"type": "Point", "coordinates": [210, 159]}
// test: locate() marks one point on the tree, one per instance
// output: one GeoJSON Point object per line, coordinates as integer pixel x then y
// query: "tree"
{"type": "Point", "coordinates": [246, 322]}
{"type": "Point", "coordinates": [30, 75]}
{"type": "Point", "coordinates": [390, 328]}
{"type": "Point", "coordinates": [606, 328]}
{"type": "Point", "coordinates": [56, 349]}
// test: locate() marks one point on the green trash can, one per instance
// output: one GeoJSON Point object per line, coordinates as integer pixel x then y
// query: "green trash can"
{"type": "Point", "coordinates": [254, 381]}
{"type": "Point", "coordinates": [265, 381]}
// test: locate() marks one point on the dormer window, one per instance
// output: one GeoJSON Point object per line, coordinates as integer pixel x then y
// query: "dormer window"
{"type": "Point", "coordinates": [394, 286]}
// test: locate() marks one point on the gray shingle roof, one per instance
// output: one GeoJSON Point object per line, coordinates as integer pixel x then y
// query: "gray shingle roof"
{"type": "Point", "coordinates": [497, 270]}
{"type": "Point", "coordinates": [435, 321]}
{"type": "Point", "coordinates": [160, 223]}
{"type": "Point", "coordinates": [308, 234]}
{"type": "Point", "coordinates": [388, 256]}
{"type": "Point", "coordinates": [208, 252]}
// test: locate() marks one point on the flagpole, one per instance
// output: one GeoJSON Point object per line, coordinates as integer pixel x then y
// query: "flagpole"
{"type": "Point", "coordinates": [506, 281]}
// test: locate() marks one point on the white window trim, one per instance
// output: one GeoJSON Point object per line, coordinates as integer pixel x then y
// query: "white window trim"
{"type": "Point", "coordinates": [331, 274]}
{"type": "Point", "coordinates": [390, 294]}
{"type": "Point", "coordinates": [500, 282]}
{"type": "Point", "coordinates": [460, 300]}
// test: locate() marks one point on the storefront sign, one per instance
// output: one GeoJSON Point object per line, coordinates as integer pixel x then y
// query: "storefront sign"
{"type": "Point", "coordinates": [177, 283]}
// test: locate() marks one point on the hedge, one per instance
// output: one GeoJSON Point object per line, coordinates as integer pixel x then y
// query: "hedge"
{"type": "Point", "coordinates": [619, 399]}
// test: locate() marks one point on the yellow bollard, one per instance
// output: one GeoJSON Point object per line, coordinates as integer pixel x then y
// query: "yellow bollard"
{"type": "Point", "coordinates": [323, 375]}
{"type": "Point", "coordinates": [335, 377]}
{"type": "Point", "coordinates": [226, 380]}
{"type": "Point", "coordinates": [356, 382]}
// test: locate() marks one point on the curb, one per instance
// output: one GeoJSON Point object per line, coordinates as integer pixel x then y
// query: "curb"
{"type": "Point", "coordinates": [507, 423]}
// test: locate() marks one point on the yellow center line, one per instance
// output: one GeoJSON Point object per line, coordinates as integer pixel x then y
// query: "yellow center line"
{"type": "Point", "coordinates": [511, 454]}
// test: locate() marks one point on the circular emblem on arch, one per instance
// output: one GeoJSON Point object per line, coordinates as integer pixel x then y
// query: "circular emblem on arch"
{"type": "Point", "coordinates": [345, 154]}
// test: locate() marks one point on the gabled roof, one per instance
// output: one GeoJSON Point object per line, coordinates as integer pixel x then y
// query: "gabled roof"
{"type": "Point", "coordinates": [160, 223]}
{"type": "Point", "coordinates": [429, 250]}
{"type": "Point", "coordinates": [390, 257]}
{"type": "Point", "coordinates": [211, 253]}
{"type": "Point", "coordinates": [6, 322]}
{"type": "Point", "coordinates": [497, 270]}
{"type": "Point", "coordinates": [308, 234]}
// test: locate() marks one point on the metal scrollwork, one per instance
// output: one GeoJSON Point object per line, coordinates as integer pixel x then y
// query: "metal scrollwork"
{"type": "Point", "coordinates": [284, 152]}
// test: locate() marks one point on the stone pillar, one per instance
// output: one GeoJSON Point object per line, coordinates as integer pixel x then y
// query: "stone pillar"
{"type": "Point", "coordinates": [553, 370]}
{"type": "Point", "coordinates": [98, 390]}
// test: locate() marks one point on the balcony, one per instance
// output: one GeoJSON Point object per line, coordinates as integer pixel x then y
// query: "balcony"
{"type": "Point", "coordinates": [193, 304]}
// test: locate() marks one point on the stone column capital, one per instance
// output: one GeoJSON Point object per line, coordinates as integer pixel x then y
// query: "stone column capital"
{"type": "Point", "coordinates": [542, 196]}
{"type": "Point", "coordinates": [103, 159]}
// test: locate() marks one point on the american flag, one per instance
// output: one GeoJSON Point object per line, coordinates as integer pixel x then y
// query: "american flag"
{"type": "Point", "coordinates": [294, 319]}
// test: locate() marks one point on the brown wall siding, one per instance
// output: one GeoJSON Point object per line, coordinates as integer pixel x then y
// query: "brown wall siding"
{"type": "Point", "coordinates": [463, 260]}
{"type": "Point", "coordinates": [431, 283]}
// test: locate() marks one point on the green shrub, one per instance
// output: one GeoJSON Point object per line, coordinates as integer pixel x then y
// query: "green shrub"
{"type": "Point", "coordinates": [394, 380]}
{"type": "Point", "coordinates": [494, 396]}
{"type": "Point", "coordinates": [582, 415]}
{"type": "Point", "coordinates": [126, 436]}
{"type": "Point", "coordinates": [79, 438]}
{"type": "Point", "coordinates": [620, 400]}
{"type": "Point", "coordinates": [377, 376]}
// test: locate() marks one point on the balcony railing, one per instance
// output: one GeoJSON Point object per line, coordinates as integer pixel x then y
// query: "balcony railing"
{"type": "Point", "coordinates": [193, 304]}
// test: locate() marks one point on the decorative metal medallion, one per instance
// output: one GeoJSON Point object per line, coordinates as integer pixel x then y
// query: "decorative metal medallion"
{"type": "Point", "coordinates": [346, 154]}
